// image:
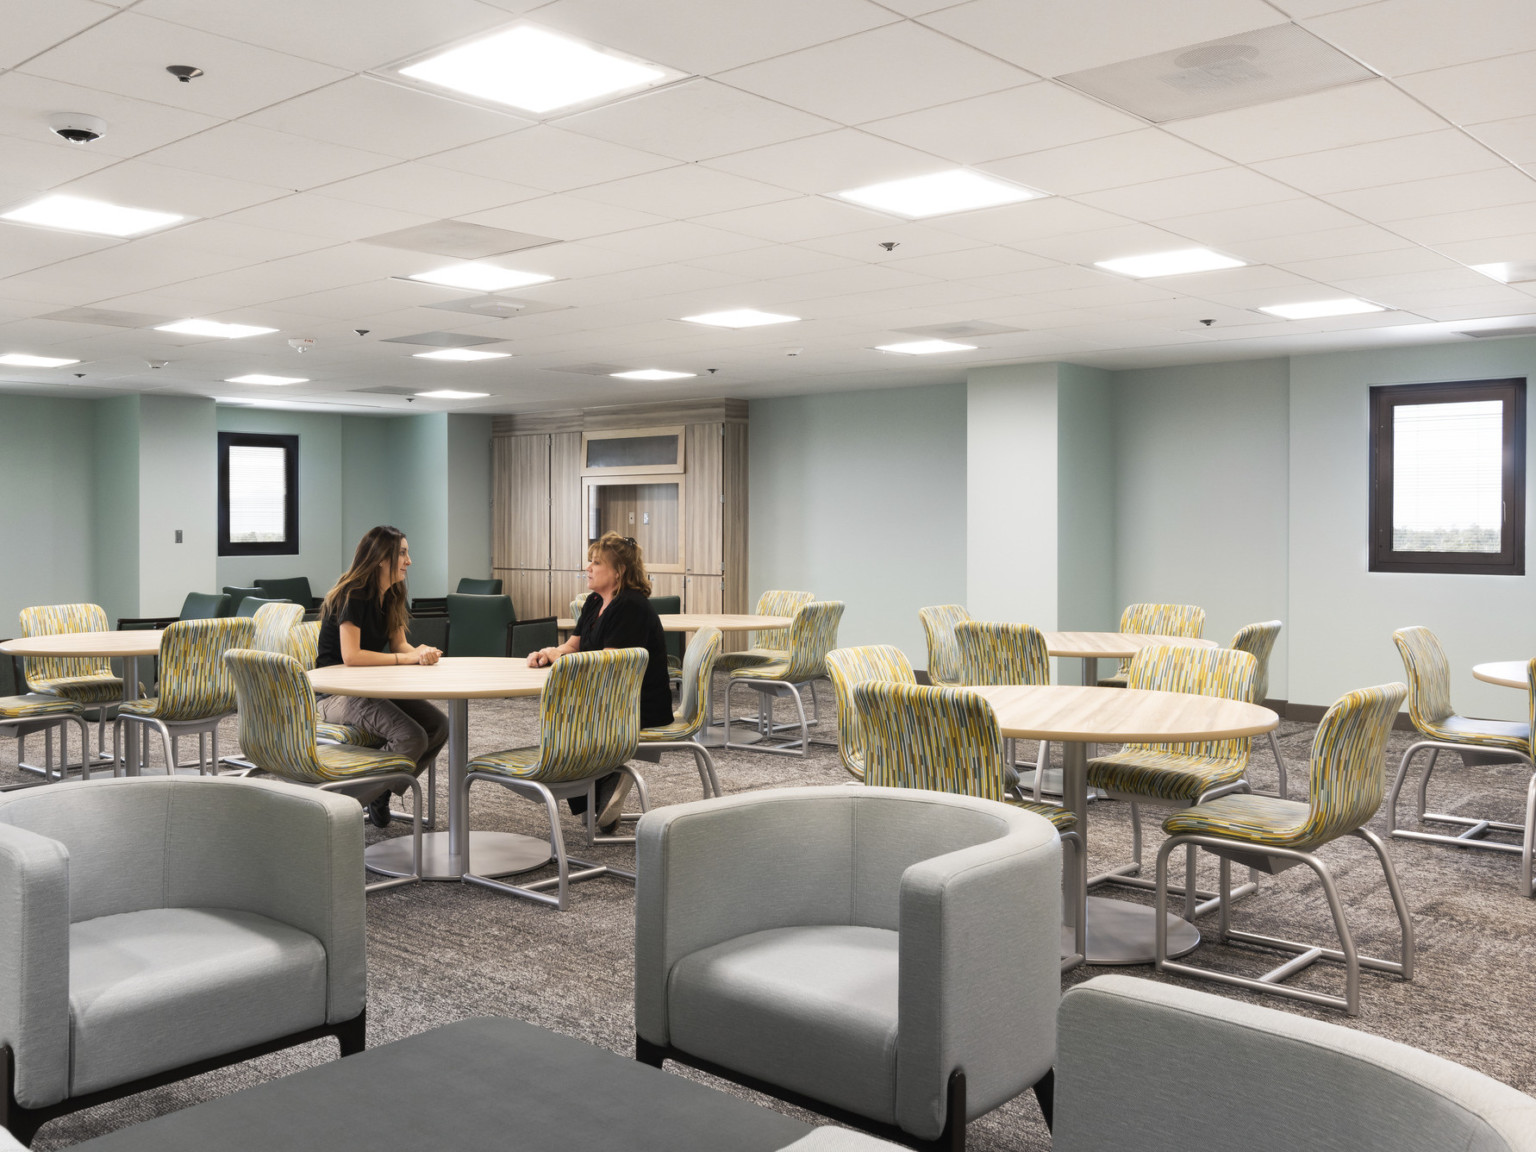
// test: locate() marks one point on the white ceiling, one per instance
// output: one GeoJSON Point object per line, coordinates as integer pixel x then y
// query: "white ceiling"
{"type": "Point", "coordinates": [713, 193]}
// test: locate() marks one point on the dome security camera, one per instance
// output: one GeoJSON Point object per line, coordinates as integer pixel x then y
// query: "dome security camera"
{"type": "Point", "coordinates": [77, 127]}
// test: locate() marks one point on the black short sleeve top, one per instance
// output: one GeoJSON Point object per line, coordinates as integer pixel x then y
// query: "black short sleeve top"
{"type": "Point", "coordinates": [631, 622]}
{"type": "Point", "coordinates": [364, 611]}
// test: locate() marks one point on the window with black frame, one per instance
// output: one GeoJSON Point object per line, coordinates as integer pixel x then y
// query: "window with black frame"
{"type": "Point", "coordinates": [258, 494]}
{"type": "Point", "coordinates": [1448, 478]}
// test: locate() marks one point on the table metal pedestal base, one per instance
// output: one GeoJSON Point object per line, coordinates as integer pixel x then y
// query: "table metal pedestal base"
{"type": "Point", "coordinates": [713, 735]}
{"type": "Point", "coordinates": [1120, 932]}
{"type": "Point", "coordinates": [490, 854]}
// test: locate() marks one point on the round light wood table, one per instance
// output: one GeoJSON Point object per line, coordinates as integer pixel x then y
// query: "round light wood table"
{"type": "Point", "coordinates": [456, 680]}
{"type": "Point", "coordinates": [1091, 647]}
{"type": "Point", "coordinates": [1119, 932]}
{"type": "Point", "coordinates": [1509, 673]}
{"type": "Point", "coordinates": [126, 646]}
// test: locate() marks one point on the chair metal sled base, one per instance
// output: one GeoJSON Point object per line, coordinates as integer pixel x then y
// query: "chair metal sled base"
{"type": "Point", "coordinates": [23, 1122]}
{"type": "Point", "coordinates": [951, 1139]}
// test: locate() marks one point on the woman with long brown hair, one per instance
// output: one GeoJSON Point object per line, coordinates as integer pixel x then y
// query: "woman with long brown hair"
{"type": "Point", "coordinates": [362, 625]}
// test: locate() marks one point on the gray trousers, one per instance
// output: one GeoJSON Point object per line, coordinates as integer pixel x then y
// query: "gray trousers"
{"type": "Point", "coordinates": [411, 728]}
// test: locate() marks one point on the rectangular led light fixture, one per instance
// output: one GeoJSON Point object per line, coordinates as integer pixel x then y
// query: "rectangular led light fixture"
{"type": "Point", "coordinates": [460, 354]}
{"type": "Point", "coordinates": [1178, 263]}
{"type": "Point", "coordinates": [652, 374]}
{"type": "Point", "coordinates": [939, 194]}
{"type": "Point", "coordinates": [22, 360]}
{"type": "Point", "coordinates": [1509, 272]}
{"type": "Point", "coordinates": [536, 70]}
{"type": "Point", "coordinates": [452, 394]}
{"type": "Point", "coordinates": [79, 214]}
{"type": "Point", "coordinates": [740, 318]}
{"type": "Point", "coordinates": [925, 347]}
{"type": "Point", "coordinates": [1316, 309]}
{"type": "Point", "coordinates": [480, 277]}
{"type": "Point", "coordinates": [213, 328]}
{"type": "Point", "coordinates": [263, 378]}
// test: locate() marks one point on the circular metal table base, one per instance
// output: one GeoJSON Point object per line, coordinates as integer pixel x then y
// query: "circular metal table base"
{"type": "Point", "coordinates": [490, 854]}
{"type": "Point", "coordinates": [1120, 932]}
{"type": "Point", "coordinates": [714, 735]}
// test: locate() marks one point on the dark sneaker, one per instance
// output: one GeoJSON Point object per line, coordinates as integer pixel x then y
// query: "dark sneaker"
{"type": "Point", "coordinates": [378, 810]}
{"type": "Point", "coordinates": [610, 812]}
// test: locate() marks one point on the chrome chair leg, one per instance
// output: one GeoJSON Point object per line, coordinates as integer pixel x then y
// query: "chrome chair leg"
{"type": "Point", "coordinates": [1274, 748]}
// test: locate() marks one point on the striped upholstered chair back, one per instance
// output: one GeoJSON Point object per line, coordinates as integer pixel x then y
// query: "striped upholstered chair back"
{"type": "Point", "coordinates": [1258, 640]}
{"type": "Point", "coordinates": [1161, 620]}
{"type": "Point", "coordinates": [277, 714]}
{"type": "Point", "coordinates": [195, 683]}
{"type": "Point", "coordinates": [939, 622]}
{"type": "Point", "coordinates": [1221, 672]}
{"type": "Point", "coordinates": [305, 643]}
{"type": "Point", "coordinates": [58, 620]}
{"type": "Point", "coordinates": [941, 739]}
{"type": "Point", "coordinates": [589, 714]}
{"type": "Point", "coordinates": [812, 635]}
{"type": "Point", "coordinates": [846, 667]}
{"type": "Point", "coordinates": [995, 653]}
{"type": "Point", "coordinates": [1429, 677]}
{"type": "Point", "coordinates": [698, 666]}
{"type": "Point", "coordinates": [778, 603]}
{"type": "Point", "coordinates": [1348, 763]}
{"type": "Point", "coordinates": [274, 628]}
{"type": "Point", "coordinates": [578, 604]}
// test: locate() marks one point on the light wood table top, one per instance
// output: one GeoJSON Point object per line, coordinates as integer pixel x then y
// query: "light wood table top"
{"type": "Point", "coordinates": [1124, 645]}
{"type": "Point", "coordinates": [1121, 715]}
{"type": "Point", "coordinates": [693, 621]}
{"type": "Point", "coordinates": [1510, 673]}
{"type": "Point", "coordinates": [132, 642]}
{"type": "Point", "coordinates": [451, 678]}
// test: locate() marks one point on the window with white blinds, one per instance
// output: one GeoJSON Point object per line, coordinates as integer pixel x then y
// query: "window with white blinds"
{"type": "Point", "coordinates": [258, 494]}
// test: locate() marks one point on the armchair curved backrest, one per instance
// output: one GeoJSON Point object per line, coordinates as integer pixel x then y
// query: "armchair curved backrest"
{"type": "Point", "coordinates": [57, 620]}
{"type": "Point", "coordinates": [939, 623]}
{"type": "Point", "coordinates": [996, 653]}
{"type": "Point", "coordinates": [477, 625]}
{"type": "Point", "coordinates": [1258, 640]}
{"type": "Point", "coordinates": [577, 604]}
{"type": "Point", "coordinates": [1221, 672]}
{"type": "Point", "coordinates": [274, 628]}
{"type": "Point", "coordinates": [777, 602]}
{"type": "Point", "coordinates": [1348, 763]}
{"type": "Point", "coordinates": [201, 605]}
{"type": "Point", "coordinates": [277, 715]}
{"type": "Point", "coordinates": [194, 682]}
{"type": "Point", "coordinates": [698, 667]}
{"type": "Point", "coordinates": [305, 639]}
{"type": "Point", "coordinates": [1429, 676]}
{"type": "Point", "coordinates": [847, 667]}
{"type": "Point", "coordinates": [589, 714]}
{"type": "Point", "coordinates": [941, 739]}
{"type": "Point", "coordinates": [1161, 620]}
{"type": "Point", "coordinates": [812, 635]}
{"type": "Point", "coordinates": [473, 587]}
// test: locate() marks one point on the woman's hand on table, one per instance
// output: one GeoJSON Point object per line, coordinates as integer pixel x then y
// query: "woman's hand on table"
{"type": "Point", "coordinates": [426, 654]}
{"type": "Point", "coordinates": [543, 658]}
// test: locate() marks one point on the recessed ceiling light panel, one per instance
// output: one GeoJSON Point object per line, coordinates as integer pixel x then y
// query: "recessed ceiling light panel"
{"type": "Point", "coordinates": [79, 214]}
{"type": "Point", "coordinates": [740, 318]}
{"type": "Point", "coordinates": [939, 194]}
{"type": "Point", "coordinates": [453, 394]}
{"type": "Point", "coordinates": [460, 354]}
{"type": "Point", "coordinates": [925, 347]}
{"type": "Point", "coordinates": [1509, 271]}
{"type": "Point", "coordinates": [652, 374]}
{"type": "Point", "coordinates": [263, 378]}
{"type": "Point", "coordinates": [536, 70]}
{"type": "Point", "coordinates": [22, 360]}
{"type": "Point", "coordinates": [213, 328]}
{"type": "Point", "coordinates": [1317, 309]}
{"type": "Point", "coordinates": [480, 277]}
{"type": "Point", "coordinates": [1177, 263]}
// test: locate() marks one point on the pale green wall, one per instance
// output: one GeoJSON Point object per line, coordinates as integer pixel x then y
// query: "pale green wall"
{"type": "Point", "coordinates": [114, 512]}
{"type": "Point", "coordinates": [1201, 501]}
{"type": "Point", "coordinates": [418, 448]}
{"type": "Point", "coordinates": [1085, 537]}
{"type": "Point", "coordinates": [859, 497]}
{"type": "Point", "coordinates": [469, 498]}
{"type": "Point", "coordinates": [178, 489]}
{"type": "Point", "coordinates": [46, 518]}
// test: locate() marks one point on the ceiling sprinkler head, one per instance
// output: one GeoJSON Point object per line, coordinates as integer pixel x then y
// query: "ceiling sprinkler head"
{"type": "Point", "coordinates": [890, 245]}
{"type": "Point", "coordinates": [302, 344]}
{"type": "Point", "coordinates": [184, 72]}
{"type": "Point", "coordinates": [1207, 323]}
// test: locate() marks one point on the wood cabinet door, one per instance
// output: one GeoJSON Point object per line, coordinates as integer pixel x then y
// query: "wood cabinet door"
{"type": "Point", "coordinates": [520, 502]}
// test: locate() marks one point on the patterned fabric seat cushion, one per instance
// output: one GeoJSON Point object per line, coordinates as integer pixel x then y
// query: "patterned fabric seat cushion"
{"type": "Point", "coordinates": [730, 661]}
{"type": "Point", "coordinates": [677, 730]}
{"type": "Point", "coordinates": [1255, 819]}
{"type": "Point", "coordinates": [342, 761]}
{"type": "Point", "coordinates": [1165, 775]}
{"type": "Point", "coordinates": [83, 689]}
{"type": "Point", "coordinates": [1512, 734]}
{"type": "Point", "coordinates": [770, 669]}
{"type": "Point", "coordinates": [25, 707]}
{"type": "Point", "coordinates": [348, 734]}
{"type": "Point", "coordinates": [512, 762]}
{"type": "Point", "coordinates": [143, 706]}
{"type": "Point", "coordinates": [1062, 818]}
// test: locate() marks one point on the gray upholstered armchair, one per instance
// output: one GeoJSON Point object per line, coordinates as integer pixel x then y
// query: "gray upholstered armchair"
{"type": "Point", "coordinates": [886, 956]}
{"type": "Point", "coordinates": [156, 927]}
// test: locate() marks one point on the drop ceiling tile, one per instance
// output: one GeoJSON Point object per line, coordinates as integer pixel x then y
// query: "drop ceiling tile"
{"type": "Point", "coordinates": [1353, 114]}
{"type": "Point", "coordinates": [851, 281]}
{"type": "Point", "coordinates": [685, 191]}
{"type": "Point", "coordinates": [1304, 8]}
{"type": "Point", "coordinates": [350, 34]}
{"type": "Point", "coordinates": [771, 262]}
{"type": "Point", "coordinates": [675, 242]}
{"type": "Point", "coordinates": [1514, 139]}
{"type": "Point", "coordinates": [1041, 281]}
{"type": "Point", "coordinates": [146, 185]}
{"type": "Point", "coordinates": [133, 126]}
{"type": "Point", "coordinates": [1336, 269]}
{"type": "Point", "coordinates": [1226, 281]}
{"type": "Point", "coordinates": [1031, 220]}
{"type": "Point", "coordinates": [800, 219]}
{"type": "Point", "coordinates": [1443, 194]}
{"type": "Point", "coordinates": [138, 267]}
{"type": "Point", "coordinates": [1106, 243]}
{"type": "Point", "coordinates": [1405, 284]}
{"type": "Point", "coordinates": [1110, 162]}
{"type": "Point", "coordinates": [1491, 249]}
{"type": "Point", "coordinates": [550, 158]}
{"type": "Point", "coordinates": [312, 214]}
{"type": "Point", "coordinates": [868, 246]}
{"type": "Point", "coordinates": [1183, 195]}
{"type": "Point", "coordinates": [360, 302]}
{"type": "Point", "coordinates": [705, 36]}
{"type": "Point", "coordinates": [292, 163]}
{"type": "Point", "coordinates": [1398, 37]}
{"type": "Point", "coordinates": [28, 167]}
{"type": "Point", "coordinates": [1050, 38]}
{"type": "Point", "coordinates": [1472, 93]}
{"type": "Point", "coordinates": [420, 187]}
{"type": "Point", "coordinates": [657, 279]}
{"type": "Point", "coordinates": [128, 55]}
{"type": "Point", "coordinates": [1479, 224]}
{"type": "Point", "coordinates": [568, 260]}
{"type": "Point", "coordinates": [1323, 243]}
{"type": "Point", "coordinates": [696, 120]}
{"type": "Point", "coordinates": [969, 263]}
{"type": "Point", "coordinates": [877, 74]}
{"type": "Point", "coordinates": [1229, 229]}
{"type": "Point", "coordinates": [1418, 157]}
{"type": "Point", "coordinates": [565, 216]}
{"type": "Point", "coordinates": [1030, 118]}
{"type": "Point", "coordinates": [31, 28]}
{"type": "Point", "coordinates": [1479, 312]}
{"type": "Point", "coordinates": [832, 162]}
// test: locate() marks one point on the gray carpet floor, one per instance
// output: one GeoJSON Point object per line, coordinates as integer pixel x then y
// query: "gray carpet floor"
{"type": "Point", "coordinates": [442, 952]}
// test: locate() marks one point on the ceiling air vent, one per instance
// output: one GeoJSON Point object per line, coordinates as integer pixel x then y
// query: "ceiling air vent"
{"type": "Point", "coordinates": [1234, 72]}
{"type": "Point", "coordinates": [444, 339]}
{"type": "Point", "coordinates": [1484, 333]}
{"type": "Point", "coordinates": [456, 238]}
{"type": "Point", "coordinates": [957, 330]}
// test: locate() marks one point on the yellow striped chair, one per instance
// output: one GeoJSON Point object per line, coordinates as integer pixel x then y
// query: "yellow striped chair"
{"type": "Point", "coordinates": [1178, 774]}
{"type": "Point", "coordinates": [589, 726]}
{"type": "Point", "coordinates": [772, 645]}
{"type": "Point", "coordinates": [274, 627]}
{"type": "Point", "coordinates": [1441, 730]}
{"type": "Point", "coordinates": [87, 680]}
{"type": "Point", "coordinates": [1156, 620]}
{"type": "Point", "coordinates": [305, 640]}
{"type": "Point", "coordinates": [34, 711]}
{"type": "Point", "coordinates": [881, 663]}
{"type": "Point", "coordinates": [804, 661]}
{"type": "Point", "coordinates": [689, 716]}
{"type": "Point", "coordinates": [195, 691]}
{"type": "Point", "coordinates": [1346, 783]}
{"type": "Point", "coordinates": [948, 740]}
{"type": "Point", "coordinates": [939, 622]}
{"type": "Point", "coordinates": [998, 653]}
{"type": "Point", "coordinates": [1258, 640]}
{"type": "Point", "coordinates": [277, 734]}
